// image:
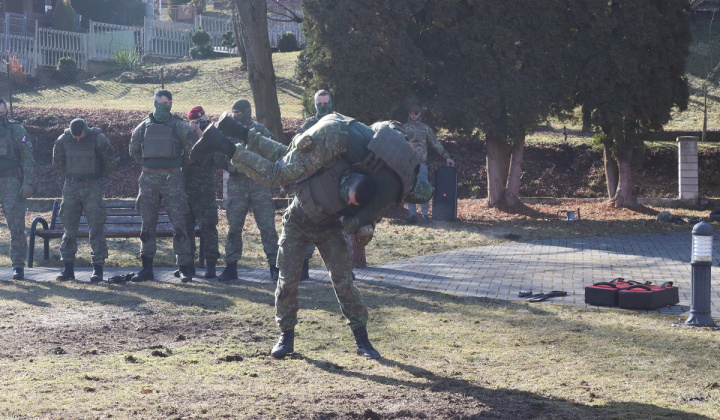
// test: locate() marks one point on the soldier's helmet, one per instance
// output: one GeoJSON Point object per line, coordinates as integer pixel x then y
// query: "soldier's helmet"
{"type": "Point", "coordinates": [421, 193]}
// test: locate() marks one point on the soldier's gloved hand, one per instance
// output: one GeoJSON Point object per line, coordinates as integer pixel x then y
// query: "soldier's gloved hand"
{"type": "Point", "coordinates": [365, 234]}
{"type": "Point", "coordinates": [26, 191]}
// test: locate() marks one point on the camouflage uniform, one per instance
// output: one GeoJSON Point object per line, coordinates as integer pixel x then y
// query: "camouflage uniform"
{"type": "Point", "coordinates": [334, 137]}
{"type": "Point", "coordinates": [83, 192]}
{"type": "Point", "coordinates": [420, 135]}
{"type": "Point", "coordinates": [202, 205]}
{"type": "Point", "coordinates": [16, 170]}
{"type": "Point", "coordinates": [244, 194]}
{"type": "Point", "coordinates": [162, 178]}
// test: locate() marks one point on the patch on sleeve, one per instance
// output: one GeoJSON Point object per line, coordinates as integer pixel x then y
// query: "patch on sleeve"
{"type": "Point", "coordinates": [27, 141]}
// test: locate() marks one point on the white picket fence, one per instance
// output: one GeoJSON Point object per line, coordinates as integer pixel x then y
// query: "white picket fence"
{"type": "Point", "coordinates": [160, 38]}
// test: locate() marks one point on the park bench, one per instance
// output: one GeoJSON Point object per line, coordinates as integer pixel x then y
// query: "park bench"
{"type": "Point", "coordinates": [123, 221]}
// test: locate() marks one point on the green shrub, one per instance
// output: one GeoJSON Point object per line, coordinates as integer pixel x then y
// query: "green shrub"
{"type": "Point", "coordinates": [119, 12]}
{"type": "Point", "coordinates": [287, 42]}
{"type": "Point", "coordinates": [67, 69]}
{"type": "Point", "coordinates": [201, 52]}
{"type": "Point", "coordinates": [228, 40]}
{"type": "Point", "coordinates": [201, 5]}
{"type": "Point", "coordinates": [200, 37]}
{"type": "Point", "coordinates": [127, 60]}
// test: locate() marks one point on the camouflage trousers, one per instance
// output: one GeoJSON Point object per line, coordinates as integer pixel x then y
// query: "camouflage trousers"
{"type": "Point", "coordinates": [244, 194]}
{"type": "Point", "coordinates": [13, 207]}
{"type": "Point", "coordinates": [87, 196]}
{"type": "Point", "coordinates": [297, 234]}
{"type": "Point", "coordinates": [202, 211]}
{"type": "Point", "coordinates": [170, 188]}
{"type": "Point", "coordinates": [425, 207]}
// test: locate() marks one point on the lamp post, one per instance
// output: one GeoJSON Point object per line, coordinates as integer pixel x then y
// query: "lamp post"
{"type": "Point", "coordinates": [701, 262]}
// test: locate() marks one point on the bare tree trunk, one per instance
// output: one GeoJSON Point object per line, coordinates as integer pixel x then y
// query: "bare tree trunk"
{"type": "Point", "coordinates": [239, 38]}
{"type": "Point", "coordinates": [611, 171]}
{"type": "Point", "coordinates": [261, 74]}
{"type": "Point", "coordinates": [624, 197]}
{"type": "Point", "coordinates": [512, 191]}
{"type": "Point", "coordinates": [498, 162]}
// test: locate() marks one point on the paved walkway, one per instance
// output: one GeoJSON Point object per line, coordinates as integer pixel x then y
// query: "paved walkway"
{"type": "Point", "coordinates": [501, 271]}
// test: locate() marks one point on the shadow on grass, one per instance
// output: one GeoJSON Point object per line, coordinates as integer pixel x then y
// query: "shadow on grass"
{"type": "Point", "coordinates": [502, 403]}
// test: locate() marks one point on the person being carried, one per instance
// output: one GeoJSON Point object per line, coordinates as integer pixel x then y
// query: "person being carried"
{"type": "Point", "coordinates": [85, 156]}
{"type": "Point", "coordinates": [331, 166]}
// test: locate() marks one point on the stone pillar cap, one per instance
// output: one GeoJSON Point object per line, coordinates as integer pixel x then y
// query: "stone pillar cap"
{"type": "Point", "coordinates": [688, 138]}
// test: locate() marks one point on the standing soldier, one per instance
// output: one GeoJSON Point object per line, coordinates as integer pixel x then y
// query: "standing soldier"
{"type": "Point", "coordinates": [16, 171]}
{"type": "Point", "coordinates": [161, 143]}
{"type": "Point", "coordinates": [325, 154]}
{"type": "Point", "coordinates": [200, 189]}
{"type": "Point", "coordinates": [244, 194]}
{"type": "Point", "coordinates": [420, 134]}
{"type": "Point", "coordinates": [85, 156]}
{"type": "Point", "coordinates": [323, 107]}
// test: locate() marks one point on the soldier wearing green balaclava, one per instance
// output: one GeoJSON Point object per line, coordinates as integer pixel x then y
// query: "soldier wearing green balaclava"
{"type": "Point", "coordinates": [161, 143]}
{"type": "Point", "coordinates": [243, 195]}
{"type": "Point", "coordinates": [323, 107]}
{"type": "Point", "coordinates": [16, 185]}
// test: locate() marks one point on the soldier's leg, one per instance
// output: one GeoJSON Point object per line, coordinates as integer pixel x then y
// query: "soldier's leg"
{"type": "Point", "coordinates": [96, 217]}
{"type": "Point", "coordinates": [14, 209]}
{"type": "Point", "coordinates": [70, 212]}
{"type": "Point", "coordinates": [423, 174]}
{"type": "Point", "coordinates": [193, 215]}
{"type": "Point", "coordinates": [175, 201]}
{"type": "Point", "coordinates": [237, 205]}
{"type": "Point", "coordinates": [264, 213]}
{"type": "Point", "coordinates": [335, 253]}
{"type": "Point", "coordinates": [208, 227]}
{"type": "Point", "coordinates": [148, 206]}
{"type": "Point", "coordinates": [289, 260]}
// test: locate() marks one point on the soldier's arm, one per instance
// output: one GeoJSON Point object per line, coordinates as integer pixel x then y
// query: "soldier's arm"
{"type": "Point", "coordinates": [58, 158]}
{"type": "Point", "coordinates": [187, 140]}
{"type": "Point", "coordinates": [135, 148]}
{"type": "Point", "coordinates": [433, 140]}
{"type": "Point", "coordinates": [107, 153]}
{"type": "Point", "coordinates": [27, 161]}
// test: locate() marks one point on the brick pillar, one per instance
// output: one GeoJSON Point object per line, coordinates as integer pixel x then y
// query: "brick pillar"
{"type": "Point", "coordinates": [688, 167]}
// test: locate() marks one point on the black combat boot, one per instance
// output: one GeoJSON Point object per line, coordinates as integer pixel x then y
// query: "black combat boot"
{"type": "Point", "coordinates": [229, 273]}
{"type": "Point", "coordinates": [185, 274]}
{"type": "Point", "coordinates": [228, 126]}
{"type": "Point", "coordinates": [213, 140]}
{"type": "Point", "coordinates": [97, 274]}
{"type": "Point", "coordinates": [305, 271]}
{"type": "Point", "coordinates": [18, 273]}
{"type": "Point", "coordinates": [210, 269]}
{"type": "Point", "coordinates": [147, 270]}
{"type": "Point", "coordinates": [274, 272]}
{"type": "Point", "coordinates": [192, 270]}
{"type": "Point", "coordinates": [362, 343]}
{"type": "Point", "coordinates": [68, 273]}
{"type": "Point", "coordinates": [285, 345]}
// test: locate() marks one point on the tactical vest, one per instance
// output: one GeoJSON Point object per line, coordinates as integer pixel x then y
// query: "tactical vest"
{"type": "Point", "coordinates": [160, 146]}
{"type": "Point", "coordinates": [9, 153]}
{"type": "Point", "coordinates": [319, 195]}
{"type": "Point", "coordinates": [81, 157]}
{"type": "Point", "coordinates": [388, 147]}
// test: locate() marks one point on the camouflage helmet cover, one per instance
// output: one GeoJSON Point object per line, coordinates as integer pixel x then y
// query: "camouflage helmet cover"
{"type": "Point", "coordinates": [421, 193]}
